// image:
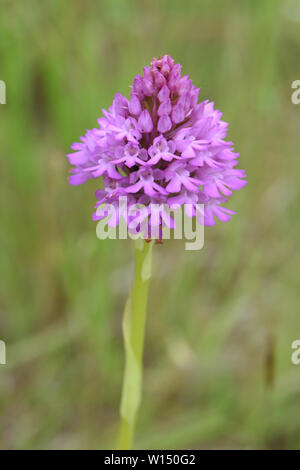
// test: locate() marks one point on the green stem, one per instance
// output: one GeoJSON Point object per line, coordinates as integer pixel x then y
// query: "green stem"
{"type": "Point", "coordinates": [134, 333]}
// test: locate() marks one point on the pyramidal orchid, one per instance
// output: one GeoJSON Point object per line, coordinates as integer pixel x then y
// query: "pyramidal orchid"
{"type": "Point", "coordinates": [159, 146]}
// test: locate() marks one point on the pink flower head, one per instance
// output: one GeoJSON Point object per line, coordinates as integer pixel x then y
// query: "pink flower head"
{"type": "Point", "coordinates": [161, 146]}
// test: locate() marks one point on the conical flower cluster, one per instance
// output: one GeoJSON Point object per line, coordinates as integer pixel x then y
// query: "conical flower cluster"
{"type": "Point", "coordinates": [160, 147]}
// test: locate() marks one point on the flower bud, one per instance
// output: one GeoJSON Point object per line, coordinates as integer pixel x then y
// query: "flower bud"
{"type": "Point", "coordinates": [135, 105]}
{"type": "Point", "coordinates": [164, 124]}
{"type": "Point", "coordinates": [145, 123]}
{"type": "Point", "coordinates": [164, 93]}
{"type": "Point", "coordinates": [165, 108]}
{"type": "Point", "coordinates": [177, 113]}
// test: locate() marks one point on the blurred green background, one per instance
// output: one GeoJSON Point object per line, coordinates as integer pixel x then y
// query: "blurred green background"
{"type": "Point", "coordinates": [218, 371]}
